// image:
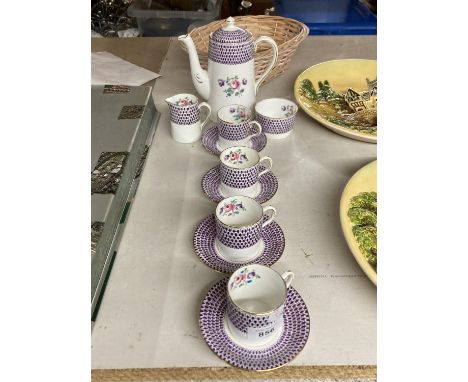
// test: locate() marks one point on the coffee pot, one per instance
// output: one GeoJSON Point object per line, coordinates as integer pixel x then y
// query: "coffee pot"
{"type": "Point", "coordinates": [230, 78]}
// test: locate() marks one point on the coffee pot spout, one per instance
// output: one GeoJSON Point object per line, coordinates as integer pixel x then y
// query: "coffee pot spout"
{"type": "Point", "coordinates": [199, 75]}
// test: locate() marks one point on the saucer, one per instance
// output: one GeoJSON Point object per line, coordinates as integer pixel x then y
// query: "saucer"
{"type": "Point", "coordinates": [296, 327]}
{"type": "Point", "coordinates": [210, 140]}
{"type": "Point", "coordinates": [204, 244]}
{"type": "Point", "coordinates": [212, 180]}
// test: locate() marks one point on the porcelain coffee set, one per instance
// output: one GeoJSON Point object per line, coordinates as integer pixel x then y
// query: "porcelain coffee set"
{"type": "Point", "coordinates": [254, 319]}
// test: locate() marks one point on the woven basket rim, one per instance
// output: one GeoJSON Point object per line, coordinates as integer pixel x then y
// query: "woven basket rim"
{"type": "Point", "coordinates": [302, 34]}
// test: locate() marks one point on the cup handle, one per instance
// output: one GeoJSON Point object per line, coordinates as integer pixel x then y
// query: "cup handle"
{"type": "Point", "coordinates": [268, 167]}
{"type": "Point", "coordinates": [259, 127]}
{"type": "Point", "coordinates": [272, 217]}
{"type": "Point", "coordinates": [288, 278]}
{"type": "Point", "coordinates": [202, 125]}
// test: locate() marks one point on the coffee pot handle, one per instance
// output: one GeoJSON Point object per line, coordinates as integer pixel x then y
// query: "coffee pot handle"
{"type": "Point", "coordinates": [272, 42]}
{"type": "Point", "coordinates": [202, 125]}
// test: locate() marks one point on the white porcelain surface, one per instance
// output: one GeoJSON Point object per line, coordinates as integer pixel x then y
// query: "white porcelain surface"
{"type": "Point", "coordinates": [238, 255]}
{"type": "Point", "coordinates": [252, 191]}
{"type": "Point", "coordinates": [278, 136]}
{"type": "Point", "coordinates": [223, 144]}
{"type": "Point", "coordinates": [252, 214]}
{"type": "Point", "coordinates": [274, 107]}
{"type": "Point", "coordinates": [186, 133]}
{"type": "Point", "coordinates": [264, 294]}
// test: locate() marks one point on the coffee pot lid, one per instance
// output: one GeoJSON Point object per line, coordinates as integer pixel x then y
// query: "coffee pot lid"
{"type": "Point", "coordinates": [231, 33]}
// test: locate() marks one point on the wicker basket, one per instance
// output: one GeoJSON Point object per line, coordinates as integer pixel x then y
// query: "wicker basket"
{"type": "Point", "coordinates": [287, 33]}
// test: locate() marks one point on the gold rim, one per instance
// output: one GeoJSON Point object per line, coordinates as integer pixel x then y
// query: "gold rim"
{"type": "Point", "coordinates": [296, 108]}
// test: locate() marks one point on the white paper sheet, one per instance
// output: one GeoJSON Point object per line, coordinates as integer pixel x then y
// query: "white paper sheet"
{"type": "Point", "coordinates": [108, 69]}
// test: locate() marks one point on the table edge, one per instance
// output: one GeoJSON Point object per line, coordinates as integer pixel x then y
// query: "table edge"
{"type": "Point", "coordinates": [220, 373]}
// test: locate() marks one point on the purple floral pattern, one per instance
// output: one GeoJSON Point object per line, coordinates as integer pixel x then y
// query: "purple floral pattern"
{"type": "Point", "coordinates": [233, 85]}
{"type": "Point", "coordinates": [245, 277]}
{"type": "Point", "coordinates": [288, 109]}
{"type": "Point", "coordinates": [232, 208]}
{"type": "Point", "coordinates": [296, 328]}
{"type": "Point", "coordinates": [236, 157]}
{"type": "Point", "coordinates": [185, 101]}
{"type": "Point", "coordinates": [240, 114]}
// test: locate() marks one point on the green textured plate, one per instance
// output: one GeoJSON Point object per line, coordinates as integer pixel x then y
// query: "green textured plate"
{"type": "Point", "coordinates": [364, 180]}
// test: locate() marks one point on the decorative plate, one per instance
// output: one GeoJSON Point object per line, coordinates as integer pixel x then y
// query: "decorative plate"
{"type": "Point", "coordinates": [204, 244]}
{"type": "Point", "coordinates": [211, 181]}
{"type": "Point", "coordinates": [296, 327]}
{"type": "Point", "coordinates": [341, 95]}
{"type": "Point", "coordinates": [210, 139]}
{"type": "Point", "coordinates": [358, 215]}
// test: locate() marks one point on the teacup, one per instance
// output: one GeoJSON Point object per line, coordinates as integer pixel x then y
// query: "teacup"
{"type": "Point", "coordinates": [235, 127]}
{"type": "Point", "coordinates": [277, 116]}
{"type": "Point", "coordinates": [240, 171]}
{"type": "Point", "coordinates": [256, 296]}
{"type": "Point", "coordinates": [184, 109]}
{"type": "Point", "coordinates": [239, 224]}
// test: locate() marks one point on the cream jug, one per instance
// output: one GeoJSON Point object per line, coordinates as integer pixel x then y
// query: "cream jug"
{"type": "Point", "coordinates": [230, 78]}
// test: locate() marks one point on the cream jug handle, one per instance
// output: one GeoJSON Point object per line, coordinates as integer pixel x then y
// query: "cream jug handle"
{"type": "Point", "coordinates": [272, 42]}
{"type": "Point", "coordinates": [202, 125]}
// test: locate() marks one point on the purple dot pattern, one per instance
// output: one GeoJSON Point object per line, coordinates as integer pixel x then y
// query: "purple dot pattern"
{"type": "Point", "coordinates": [235, 132]}
{"type": "Point", "coordinates": [239, 178]}
{"type": "Point", "coordinates": [210, 138]}
{"type": "Point", "coordinates": [233, 36]}
{"type": "Point", "coordinates": [212, 179]}
{"type": "Point", "coordinates": [239, 238]}
{"type": "Point", "coordinates": [242, 320]}
{"type": "Point", "coordinates": [204, 244]}
{"type": "Point", "coordinates": [296, 327]}
{"type": "Point", "coordinates": [184, 115]}
{"type": "Point", "coordinates": [275, 125]}
{"type": "Point", "coordinates": [230, 54]}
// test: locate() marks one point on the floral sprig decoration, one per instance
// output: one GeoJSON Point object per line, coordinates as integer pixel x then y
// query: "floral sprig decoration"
{"type": "Point", "coordinates": [236, 157]}
{"type": "Point", "coordinates": [231, 208]}
{"type": "Point", "coordinates": [234, 86]}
